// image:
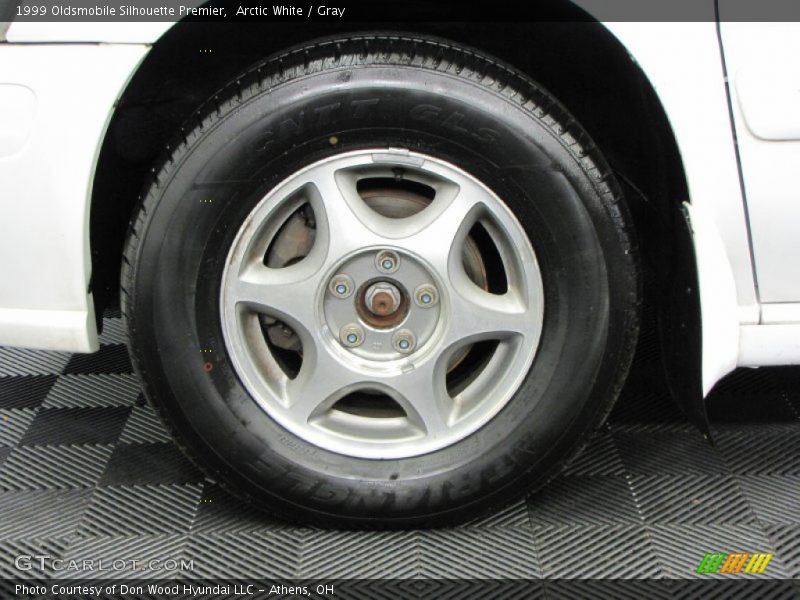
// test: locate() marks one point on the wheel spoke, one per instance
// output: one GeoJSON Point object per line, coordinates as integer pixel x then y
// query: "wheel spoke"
{"type": "Point", "coordinates": [422, 393]}
{"type": "Point", "coordinates": [444, 225]}
{"type": "Point", "coordinates": [344, 221]}
{"type": "Point", "coordinates": [479, 315]}
{"type": "Point", "coordinates": [322, 381]}
{"type": "Point", "coordinates": [287, 294]}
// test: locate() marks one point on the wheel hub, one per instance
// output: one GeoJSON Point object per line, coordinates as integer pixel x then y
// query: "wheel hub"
{"type": "Point", "coordinates": [392, 325]}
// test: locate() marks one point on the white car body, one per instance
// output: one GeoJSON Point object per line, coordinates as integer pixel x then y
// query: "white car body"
{"type": "Point", "coordinates": [59, 84]}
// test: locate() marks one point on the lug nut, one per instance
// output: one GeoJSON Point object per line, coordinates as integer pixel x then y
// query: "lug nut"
{"type": "Point", "coordinates": [341, 286]}
{"type": "Point", "coordinates": [404, 341]}
{"type": "Point", "coordinates": [426, 296]}
{"type": "Point", "coordinates": [351, 335]}
{"type": "Point", "coordinates": [387, 261]}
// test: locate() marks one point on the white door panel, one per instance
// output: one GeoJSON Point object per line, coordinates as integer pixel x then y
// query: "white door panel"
{"type": "Point", "coordinates": [763, 63]}
{"type": "Point", "coordinates": [769, 97]}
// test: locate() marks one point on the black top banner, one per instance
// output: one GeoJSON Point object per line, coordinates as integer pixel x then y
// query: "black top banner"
{"type": "Point", "coordinates": [399, 10]}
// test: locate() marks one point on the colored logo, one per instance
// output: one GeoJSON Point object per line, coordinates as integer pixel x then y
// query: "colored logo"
{"type": "Point", "coordinates": [741, 562]}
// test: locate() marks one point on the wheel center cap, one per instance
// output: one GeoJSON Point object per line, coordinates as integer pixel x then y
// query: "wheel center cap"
{"type": "Point", "coordinates": [377, 313]}
{"type": "Point", "coordinates": [382, 304]}
{"type": "Point", "coordinates": [383, 298]}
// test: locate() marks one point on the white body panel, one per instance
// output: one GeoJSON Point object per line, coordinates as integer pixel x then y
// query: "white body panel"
{"type": "Point", "coordinates": [99, 31]}
{"type": "Point", "coordinates": [780, 314]}
{"type": "Point", "coordinates": [764, 69]}
{"type": "Point", "coordinates": [718, 309]}
{"type": "Point", "coordinates": [769, 345]}
{"type": "Point", "coordinates": [47, 164]}
{"type": "Point", "coordinates": [682, 60]}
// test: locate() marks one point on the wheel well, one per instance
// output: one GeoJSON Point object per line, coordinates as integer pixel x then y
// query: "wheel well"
{"type": "Point", "coordinates": [581, 63]}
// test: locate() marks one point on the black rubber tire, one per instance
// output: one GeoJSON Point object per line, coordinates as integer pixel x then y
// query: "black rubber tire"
{"type": "Point", "coordinates": [430, 96]}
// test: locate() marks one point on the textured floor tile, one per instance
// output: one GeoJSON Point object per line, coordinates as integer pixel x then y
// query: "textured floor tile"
{"type": "Point", "coordinates": [599, 457]}
{"type": "Point", "coordinates": [772, 453]}
{"type": "Point", "coordinates": [789, 378]}
{"type": "Point", "coordinates": [648, 427]}
{"type": "Point", "coordinates": [774, 499]}
{"type": "Point", "coordinates": [692, 499]}
{"type": "Point", "coordinates": [113, 331]}
{"type": "Point", "coordinates": [13, 549]}
{"type": "Point", "coordinates": [584, 500]}
{"type": "Point", "coordinates": [755, 431]}
{"type": "Point", "coordinates": [514, 515]}
{"type": "Point", "coordinates": [747, 384]}
{"type": "Point", "coordinates": [620, 551]}
{"type": "Point", "coordinates": [53, 467]}
{"type": "Point", "coordinates": [644, 403]}
{"type": "Point", "coordinates": [481, 554]}
{"type": "Point", "coordinates": [14, 423]}
{"type": "Point", "coordinates": [109, 359]}
{"type": "Point", "coordinates": [93, 390]}
{"type": "Point", "coordinates": [638, 404]}
{"type": "Point", "coordinates": [142, 464]}
{"type": "Point", "coordinates": [151, 509]}
{"type": "Point", "coordinates": [23, 361]}
{"type": "Point", "coordinates": [371, 554]}
{"type": "Point", "coordinates": [41, 513]}
{"type": "Point", "coordinates": [786, 540]}
{"type": "Point", "coordinates": [62, 426]}
{"type": "Point", "coordinates": [674, 453]}
{"type": "Point", "coordinates": [263, 554]}
{"type": "Point", "coordinates": [681, 549]}
{"type": "Point", "coordinates": [143, 426]}
{"type": "Point", "coordinates": [725, 411]}
{"type": "Point", "coordinates": [220, 512]}
{"type": "Point", "coordinates": [141, 556]}
{"type": "Point", "coordinates": [25, 391]}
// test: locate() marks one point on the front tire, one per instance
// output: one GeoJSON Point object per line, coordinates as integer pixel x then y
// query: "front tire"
{"type": "Point", "coordinates": [269, 333]}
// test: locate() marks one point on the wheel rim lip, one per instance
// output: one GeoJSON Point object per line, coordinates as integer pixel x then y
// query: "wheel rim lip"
{"type": "Point", "coordinates": [319, 433]}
